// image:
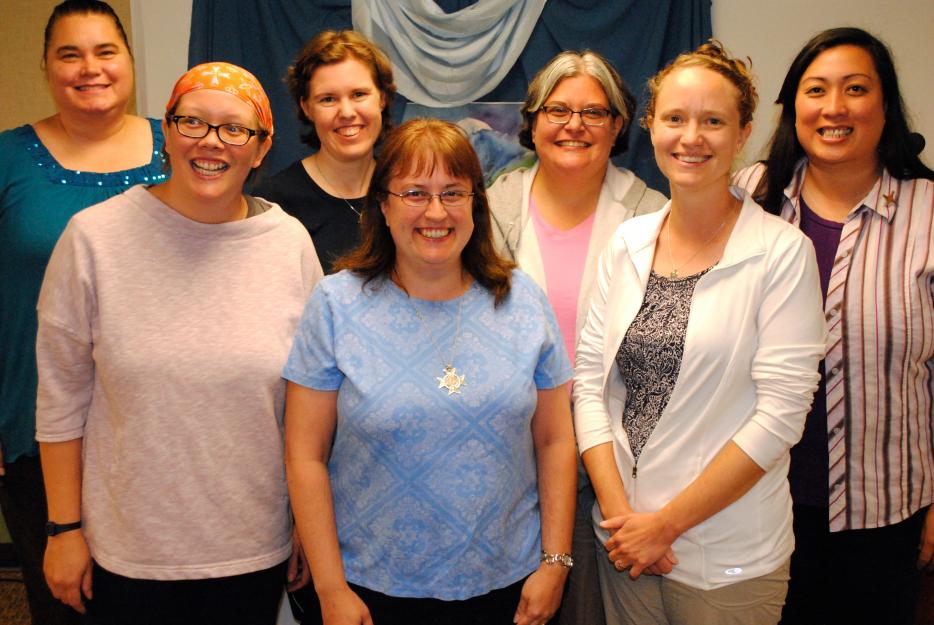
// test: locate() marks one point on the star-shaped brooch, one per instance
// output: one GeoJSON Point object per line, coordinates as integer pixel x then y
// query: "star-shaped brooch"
{"type": "Point", "coordinates": [451, 381]}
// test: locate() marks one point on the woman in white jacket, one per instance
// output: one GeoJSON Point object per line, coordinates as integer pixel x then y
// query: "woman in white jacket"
{"type": "Point", "coordinates": [696, 366]}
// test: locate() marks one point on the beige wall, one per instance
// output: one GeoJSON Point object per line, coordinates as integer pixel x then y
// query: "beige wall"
{"type": "Point", "coordinates": [160, 42]}
{"type": "Point", "coordinates": [22, 22]}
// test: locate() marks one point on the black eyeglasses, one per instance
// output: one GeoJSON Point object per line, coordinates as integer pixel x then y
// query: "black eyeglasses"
{"type": "Point", "coordinates": [592, 116]}
{"type": "Point", "coordinates": [194, 128]}
{"type": "Point", "coordinates": [453, 198]}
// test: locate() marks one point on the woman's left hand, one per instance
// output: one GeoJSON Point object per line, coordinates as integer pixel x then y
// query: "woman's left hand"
{"type": "Point", "coordinates": [639, 540]}
{"type": "Point", "coordinates": [541, 595]}
{"type": "Point", "coordinates": [297, 574]}
{"type": "Point", "coordinates": [926, 555]}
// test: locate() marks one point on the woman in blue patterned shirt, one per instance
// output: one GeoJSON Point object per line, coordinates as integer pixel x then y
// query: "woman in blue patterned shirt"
{"type": "Point", "coordinates": [429, 448]}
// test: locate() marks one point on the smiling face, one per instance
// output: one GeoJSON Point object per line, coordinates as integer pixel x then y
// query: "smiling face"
{"type": "Point", "coordinates": [346, 107]}
{"type": "Point", "coordinates": [839, 108]}
{"type": "Point", "coordinates": [88, 67]}
{"type": "Point", "coordinates": [696, 129]}
{"type": "Point", "coordinates": [575, 147]}
{"type": "Point", "coordinates": [428, 240]}
{"type": "Point", "coordinates": [207, 169]}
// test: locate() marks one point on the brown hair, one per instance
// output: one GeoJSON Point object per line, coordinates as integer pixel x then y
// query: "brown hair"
{"type": "Point", "coordinates": [567, 65]}
{"type": "Point", "coordinates": [421, 145]}
{"type": "Point", "coordinates": [334, 46]}
{"type": "Point", "coordinates": [81, 7]}
{"type": "Point", "coordinates": [712, 56]}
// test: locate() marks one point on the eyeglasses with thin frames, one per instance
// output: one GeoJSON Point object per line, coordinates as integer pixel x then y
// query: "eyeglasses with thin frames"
{"type": "Point", "coordinates": [453, 198]}
{"type": "Point", "coordinates": [194, 128]}
{"type": "Point", "coordinates": [590, 116]}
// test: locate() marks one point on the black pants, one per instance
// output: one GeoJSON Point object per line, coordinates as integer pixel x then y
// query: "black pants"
{"type": "Point", "coordinates": [852, 577]}
{"type": "Point", "coordinates": [22, 499]}
{"type": "Point", "coordinates": [305, 605]}
{"type": "Point", "coordinates": [249, 599]}
{"type": "Point", "coordinates": [494, 608]}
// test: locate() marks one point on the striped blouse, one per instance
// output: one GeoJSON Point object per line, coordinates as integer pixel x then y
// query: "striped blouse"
{"type": "Point", "coordinates": [880, 361]}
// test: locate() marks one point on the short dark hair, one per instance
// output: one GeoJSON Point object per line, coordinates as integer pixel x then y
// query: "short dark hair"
{"type": "Point", "coordinates": [81, 7]}
{"type": "Point", "coordinates": [567, 65]}
{"type": "Point", "coordinates": [422, 145]}
{"type": "Point", "coordinates": [898, 149]}
{"type": "Point", "coordinates": [334, 46]}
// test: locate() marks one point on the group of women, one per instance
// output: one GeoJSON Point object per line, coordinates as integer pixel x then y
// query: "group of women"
{"type": "Point", "coordinates": [217, 419]}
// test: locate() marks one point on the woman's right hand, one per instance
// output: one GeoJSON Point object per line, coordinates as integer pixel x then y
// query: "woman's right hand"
{"type": "Point", "coordinates": [640, 543]}
{"type": "Point", "coordinates": [68, 568]}
{"type": "Point", "coordinates": [344, 607]}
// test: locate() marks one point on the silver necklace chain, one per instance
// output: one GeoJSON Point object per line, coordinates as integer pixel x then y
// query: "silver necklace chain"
{"type": "Point", "coordinates": [449, 379]}
{"type": "Point", "coordinates": [674, 270]}
{"type": "Point", "coordinates": [328, 182]}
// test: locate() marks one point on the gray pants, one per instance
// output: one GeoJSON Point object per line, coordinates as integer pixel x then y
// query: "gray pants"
{"type": "Point", "coordinates": [657, 600]}
{"type": "Point", "coordinates": [582, 604]}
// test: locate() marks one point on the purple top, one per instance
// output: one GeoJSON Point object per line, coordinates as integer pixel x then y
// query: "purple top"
{"type": "Point", "coordinates": [810, 460]}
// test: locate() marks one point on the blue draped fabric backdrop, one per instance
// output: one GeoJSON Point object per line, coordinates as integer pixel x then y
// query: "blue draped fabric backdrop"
{"type": "Point", "coordinates": [637, 36]}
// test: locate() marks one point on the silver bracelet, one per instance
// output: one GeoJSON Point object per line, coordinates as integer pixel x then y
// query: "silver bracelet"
{"type": "Point", "coordinates": [563, 559]}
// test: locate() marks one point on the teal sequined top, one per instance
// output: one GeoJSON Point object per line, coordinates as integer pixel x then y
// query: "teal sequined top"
{"type": "Point", "coordinates": [37, 198]}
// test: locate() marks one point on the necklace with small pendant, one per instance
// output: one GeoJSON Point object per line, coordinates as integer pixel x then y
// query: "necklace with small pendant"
{"type": "Point", "coordinates": [673, 274]}
{"type": "Point", "coordinates": [449, 379]}
{"type": "Point", "coordinates": [358, 213]}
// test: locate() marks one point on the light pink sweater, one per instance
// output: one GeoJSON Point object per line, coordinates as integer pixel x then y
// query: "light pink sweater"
{"type": "Point", "coordinates": [161, 343]}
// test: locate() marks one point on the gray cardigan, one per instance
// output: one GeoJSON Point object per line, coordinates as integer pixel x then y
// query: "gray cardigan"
{"type": "Point", "coordinates": [623, 196]}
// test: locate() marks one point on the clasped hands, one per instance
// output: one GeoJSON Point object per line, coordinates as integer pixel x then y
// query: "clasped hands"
{"type": "Point", "coordinates": [641, 542]}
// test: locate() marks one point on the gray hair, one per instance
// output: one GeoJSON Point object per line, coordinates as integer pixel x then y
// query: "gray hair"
{"type": "Point", "coordinates": [567, 65]}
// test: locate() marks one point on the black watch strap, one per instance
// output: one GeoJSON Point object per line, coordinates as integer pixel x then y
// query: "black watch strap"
{"type": "Point", "coordinates": [54, 529]}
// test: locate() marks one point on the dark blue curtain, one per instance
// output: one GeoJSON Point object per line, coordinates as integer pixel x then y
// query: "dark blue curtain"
{"type": "Point", "coordinates": [637, 36]}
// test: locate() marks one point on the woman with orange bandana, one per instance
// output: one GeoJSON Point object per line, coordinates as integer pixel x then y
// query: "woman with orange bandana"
{"type": "Point", "coordinates": [165, 317]}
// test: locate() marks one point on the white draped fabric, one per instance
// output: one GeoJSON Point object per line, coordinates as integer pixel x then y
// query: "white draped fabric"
{"type": "Point", "coordinates": [448, 59]}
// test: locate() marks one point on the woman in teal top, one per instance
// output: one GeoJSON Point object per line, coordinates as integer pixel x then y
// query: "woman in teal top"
{"type": "Point", "coordinates": [89, 150]}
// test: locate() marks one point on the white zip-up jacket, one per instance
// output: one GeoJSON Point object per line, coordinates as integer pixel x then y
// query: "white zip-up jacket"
{"type": "Point", "coordinates": [748, 374]}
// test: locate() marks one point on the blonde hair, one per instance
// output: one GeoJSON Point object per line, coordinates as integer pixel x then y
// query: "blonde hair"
{"type": "Point", "coordinates": [712, 56]}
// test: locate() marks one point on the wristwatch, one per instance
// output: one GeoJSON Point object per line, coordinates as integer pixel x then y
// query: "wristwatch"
{"type": "Point", "coordinates": [54, 529]}
{"type": "Point", "coordinates": [564, 559]}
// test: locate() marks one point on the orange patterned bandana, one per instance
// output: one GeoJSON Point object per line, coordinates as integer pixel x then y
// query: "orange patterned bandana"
{"type": "Point", "coordinates": [229, 78]}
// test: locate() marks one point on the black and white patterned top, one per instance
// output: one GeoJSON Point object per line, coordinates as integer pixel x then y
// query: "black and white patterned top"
{"type": "Point", "coordinates": [649, 357]}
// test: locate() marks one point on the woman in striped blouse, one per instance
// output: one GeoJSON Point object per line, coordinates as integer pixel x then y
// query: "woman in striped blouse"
{"type": "Point", "coordinates": [844, 167]}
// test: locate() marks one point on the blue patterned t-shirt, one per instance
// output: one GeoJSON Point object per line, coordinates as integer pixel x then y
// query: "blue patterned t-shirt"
{"type": "Point", "coordinates": [435, 494]}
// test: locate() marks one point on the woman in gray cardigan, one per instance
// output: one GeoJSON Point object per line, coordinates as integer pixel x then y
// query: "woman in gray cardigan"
{"type": "Point", "coordinates": [556, 217]}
